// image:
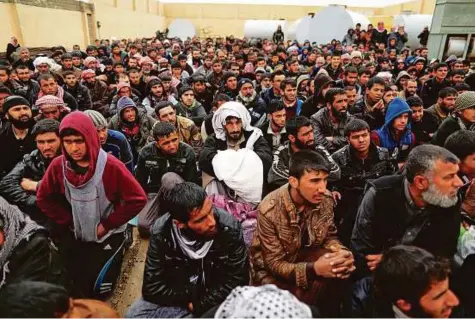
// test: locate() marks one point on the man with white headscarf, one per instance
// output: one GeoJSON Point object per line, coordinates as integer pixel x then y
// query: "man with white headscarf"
{"type": "Point", "coordinates": [233, 131]}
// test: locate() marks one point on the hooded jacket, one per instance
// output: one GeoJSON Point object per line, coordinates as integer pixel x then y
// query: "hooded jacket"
{"type": "Point", "coordinates": [384, 137]}
{"type": "Point", "coordinates": [312, 105]}
{"type": "Point", "coordinates": [145, 124]}
{"type": "Point", "coordinates": [126, 202]}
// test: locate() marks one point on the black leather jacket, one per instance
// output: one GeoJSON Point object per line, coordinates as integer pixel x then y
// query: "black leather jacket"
{"type": "Point", "coordinates": [168, 271]}
{"type": "Point", "coordinates": [32, 167]}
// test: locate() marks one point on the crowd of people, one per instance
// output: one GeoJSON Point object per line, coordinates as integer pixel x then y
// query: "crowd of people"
{"type": "Point", "coordinates": [272, 178]}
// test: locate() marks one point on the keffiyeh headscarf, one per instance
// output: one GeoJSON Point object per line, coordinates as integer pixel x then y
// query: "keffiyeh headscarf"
{"type": "Point", "coordinates": [16, 227]}
{"type": "Point", "coordinates": [266, 301]}
{"type": "Point", "coordinates": [234, 109]}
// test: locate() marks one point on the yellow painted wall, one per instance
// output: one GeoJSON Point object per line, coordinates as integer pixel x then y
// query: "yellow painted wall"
{"type": "Point", "coordinates": [9, 27]}
{"type": "Point", "coordinates": [122, 22]}
{"type": "Point", "coordinates": [48, 27]}
{"type": "Point", "coordinates": [226, 19]}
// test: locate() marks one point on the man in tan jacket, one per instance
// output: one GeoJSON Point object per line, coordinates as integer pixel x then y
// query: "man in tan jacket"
{"type": "Point", "coordinates": [295, 245]}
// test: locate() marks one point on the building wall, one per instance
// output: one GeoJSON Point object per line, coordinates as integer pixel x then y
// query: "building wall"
{"type": "Point", "coordinates": [53, 22]}
{"type": "Point", "coordinates": [130, 19]}
{"type": "Point", "coordinates": [226, 19]}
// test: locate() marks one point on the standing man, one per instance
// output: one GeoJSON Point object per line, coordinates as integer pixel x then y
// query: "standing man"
{"type": "Point", "coordinates": [295, 245]}
{"type": "Point", "coordinates": [16, 139]}
{"type": "Point", "coordinates": [83, 191]}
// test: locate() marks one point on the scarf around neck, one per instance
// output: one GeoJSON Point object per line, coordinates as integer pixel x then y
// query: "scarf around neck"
{"type": "Point", "coordinates": [193, 249]}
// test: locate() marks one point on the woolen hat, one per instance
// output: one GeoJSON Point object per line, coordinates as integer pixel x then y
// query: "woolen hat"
{"type": "Point", "coordinates": [97, 118]}
{"type": "Point", "coordinates": [242, 82]}
{"type": "Point", "coordinates": [464, 101]}
{"type": "Point", "coordinates": [14, 100]}
{"type": "Point", "coordinates": [183, 89]}
{"type": "Point", "coordinates": [356, 54]}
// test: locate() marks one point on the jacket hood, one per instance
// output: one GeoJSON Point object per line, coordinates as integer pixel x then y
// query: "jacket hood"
{"type": "Point", "coordinates": [397, 107]}
{"type": "Point", "coordinates": [81, 123]}
{"type": "Point", "coordinates": [321, 81]}
{"type": "Point", "coordinates": [400, 75]}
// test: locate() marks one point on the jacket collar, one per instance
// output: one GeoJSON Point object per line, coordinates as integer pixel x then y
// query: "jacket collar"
{"type": "Point", "coordinates": [284, 193]}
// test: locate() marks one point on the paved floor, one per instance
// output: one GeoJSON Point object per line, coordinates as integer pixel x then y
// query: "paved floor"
{"type": "Point", "coordinates": [129, 285]}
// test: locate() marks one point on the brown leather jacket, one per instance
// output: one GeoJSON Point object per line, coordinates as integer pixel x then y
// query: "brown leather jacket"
{"type": "Point", "coordinates": [277, 239]}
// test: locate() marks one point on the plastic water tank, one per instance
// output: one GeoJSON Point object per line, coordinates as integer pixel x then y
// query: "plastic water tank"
{"type": "Point", "coordinates": [181, 28]}
{"type": "Point", "coordinates": [333, 22]}
{"type": "Point", "coordinates": [263, 29]}
{"type": "Point", "coordinates": [413, 25]}
{"type": "Point", "coordinates": [299, 29]}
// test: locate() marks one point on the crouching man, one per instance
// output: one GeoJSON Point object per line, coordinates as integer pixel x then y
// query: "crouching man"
{"type": "Point", "coordinates": [195, 258]}
{"type": "Point", "coordinates": [295, 245]}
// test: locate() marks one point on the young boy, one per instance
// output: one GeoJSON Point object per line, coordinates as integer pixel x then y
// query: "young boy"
{"type": "Point", "coordinates": [77, 90]}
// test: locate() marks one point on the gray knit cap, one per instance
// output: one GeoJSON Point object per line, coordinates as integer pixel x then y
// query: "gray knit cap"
{"type": "Point", "coordinates": [97, 118]}
{"type": "Point", "coordinates": [464, 101]}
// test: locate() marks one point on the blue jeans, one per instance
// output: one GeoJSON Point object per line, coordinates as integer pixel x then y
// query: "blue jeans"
{"type": "Point", "coordinates": [144, 309]}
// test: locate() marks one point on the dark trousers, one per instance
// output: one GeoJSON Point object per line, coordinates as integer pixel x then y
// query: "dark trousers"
{"type": "Point", "coordinates": [93, 267]}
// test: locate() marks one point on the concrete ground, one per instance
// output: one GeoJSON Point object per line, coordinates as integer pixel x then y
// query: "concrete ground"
{"type": "Point", "coordinates": [129, 284]}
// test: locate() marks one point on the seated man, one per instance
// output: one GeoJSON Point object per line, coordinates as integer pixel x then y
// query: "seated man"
{"type": "Point", "coordinates": [329, 122]}
{"type": "Point", "coordinates": [196, 257]}
{"type": "Point", "coordinates": [295, 245]}
{"type": "Point", "coordinates": [134, 123]}
{"type": "Point", "coordinates": [274, 129]}
{"type": "Point", "coordinates": [77, 90]}
{"type": "Point", "coordinates": [113, 142]}
{"type": "Point", "coordinates": [51, 107]}
{"type": "Point", "coordinates": [47, 300]}
{"type": "Point", "coordinates": [166, 154]}
{"type": "Point", "coordinates": [20, 185]}
{"type": "Point", "coordinates": [409, 282]}
{"type": "Point", "coordinates": [420, 208]}
{"type": "Point", "coordinates": [359, 161]}
{"type": "Point", "coordinates": [396, 135]}
{"type": "Point", "coordinates": [231, 124]}
{"type": "Point", "coordinates": [26, 251]}
{"type": "Point", "coordinates": [187, 131]}
{"type": "Point", "coordinates": [423, 124]}
{"type": "Point", "coordinates": [300, 135]}
{"type": "Point", "coordinates": [252, 101]}
{"type": "Point", "coordinates": [189, 107]}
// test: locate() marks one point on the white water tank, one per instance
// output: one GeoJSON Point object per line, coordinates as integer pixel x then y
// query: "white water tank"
{"type": "Point", "coordinates": [299, 29]}
{"type": "Point", "coordinates": [263, 29]}
{"type": "Point", "coordinates": [181, 28]}
{"type": "Point", "coordinates": [333, 22]}
{"type": "Point", "coordinates": [413, 25]}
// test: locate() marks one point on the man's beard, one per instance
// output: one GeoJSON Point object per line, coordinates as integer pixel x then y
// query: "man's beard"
{"type": "Point", "coordinates": [277, 125]}
{"type": "Point", "coordinates": [233, 137]}
{"type": "Point", "coordinates": [433, 197]}
{"type": "Point", "coordinates": [21, 124]}
{"type": "Point", "coordinates": [302, 146]}
{"type": "Point", "coordinates": [445, 108]}
{"type": "Point", "coordinates": [339, 115]}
